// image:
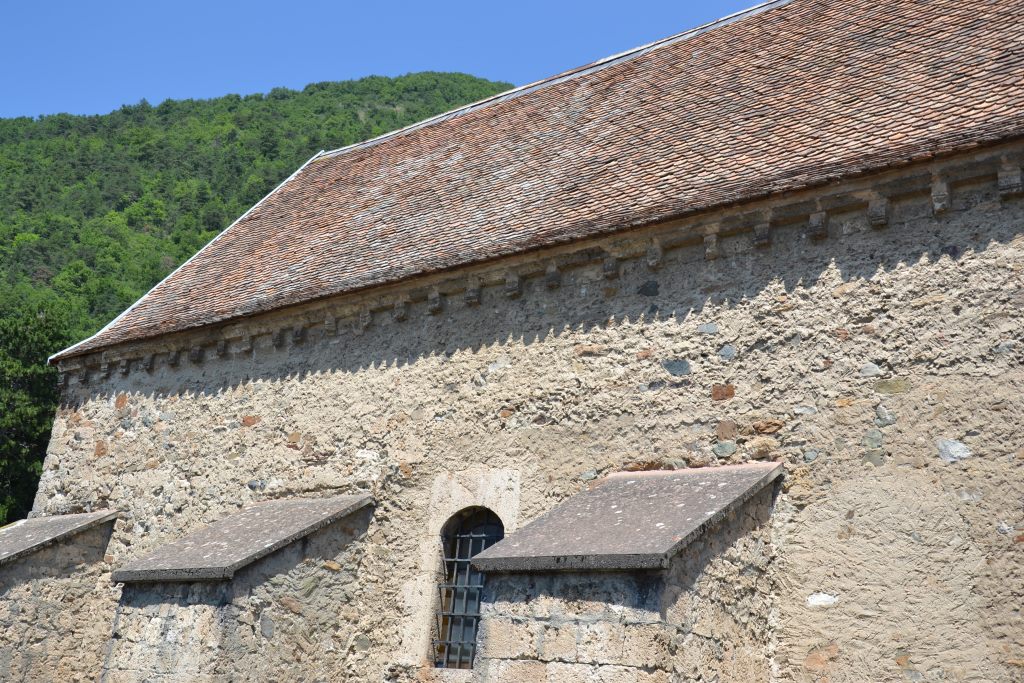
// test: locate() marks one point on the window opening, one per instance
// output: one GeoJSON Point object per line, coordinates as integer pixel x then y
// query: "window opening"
{"type": "Point", "coordinates": [458, 618]}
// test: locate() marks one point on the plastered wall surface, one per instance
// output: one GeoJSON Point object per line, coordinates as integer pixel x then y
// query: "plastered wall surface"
{"type": "Point", "coordinates": [881, 363]}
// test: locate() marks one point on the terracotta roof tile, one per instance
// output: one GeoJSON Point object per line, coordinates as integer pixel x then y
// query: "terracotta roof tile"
{"type": "Point", "coordinates": [789, 96]}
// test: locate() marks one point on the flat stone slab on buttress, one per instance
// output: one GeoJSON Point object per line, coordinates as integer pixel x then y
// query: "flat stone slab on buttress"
{"type": "Point", "coordinates": [629, 520]}
{"type": "Point", "coordinates": [216, 552]}
{"type": "Point", "coordinates": [28, 535]}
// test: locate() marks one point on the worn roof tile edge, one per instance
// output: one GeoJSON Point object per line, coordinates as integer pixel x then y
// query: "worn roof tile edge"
{"type": "Point", "coordinates": [71, 350]}
{"type": "Point", "coordinates": [128, 575]}
{"type": "Point", "coordinates": [594, 562]}
{"type": "Point", "coordinates": [111, 515]}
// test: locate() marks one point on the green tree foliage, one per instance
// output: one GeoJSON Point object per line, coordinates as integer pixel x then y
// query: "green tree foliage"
{"type": "Point", "coordinates": [95, 210]}
{"type": "Point", "coordinates": [32, 321]}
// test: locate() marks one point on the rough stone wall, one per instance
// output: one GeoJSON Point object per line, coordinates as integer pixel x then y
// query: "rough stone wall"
{"type": "Point", "coordinates": [706, 616]}
{"type": "Point", "coordinates": [280, 619]}
{"type": "Point", "coordinates": [871, 352]}
{"type": "Point", "coordinates": [720, 599]}
{"type": "Point", "coordinates": [53, 625]}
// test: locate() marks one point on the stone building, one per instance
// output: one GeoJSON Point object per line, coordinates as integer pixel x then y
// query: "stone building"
{"type": "Point", "coordinates": [699, 363]}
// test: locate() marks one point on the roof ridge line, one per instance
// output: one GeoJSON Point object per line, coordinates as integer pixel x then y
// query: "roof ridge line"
{"type": "Point", "coordinates": [70, 349]}
{"type": "Point", "coordinates": [563, 76]}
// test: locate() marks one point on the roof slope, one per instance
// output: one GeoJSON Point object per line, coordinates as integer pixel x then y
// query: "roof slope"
{"type": "Point", "coordinates": [216, 552]}
{"type": "Point", "coordinates": [29, 535]}
{"type": "Point", "coordinates": [786, 96]}
{"type": "Point", "coordinates": [629, 520]}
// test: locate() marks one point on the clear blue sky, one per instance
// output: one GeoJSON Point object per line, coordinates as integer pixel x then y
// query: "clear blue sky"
{"type": "Point", "coordinates": [92, 56]}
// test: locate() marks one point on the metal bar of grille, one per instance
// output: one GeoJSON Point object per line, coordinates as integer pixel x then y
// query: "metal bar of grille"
{"type": "Point", "coordinates": [483, 534]}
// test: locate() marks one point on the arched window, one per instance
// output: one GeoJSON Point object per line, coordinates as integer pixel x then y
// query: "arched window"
{"type": "Point", "coordinates": [458, 617]}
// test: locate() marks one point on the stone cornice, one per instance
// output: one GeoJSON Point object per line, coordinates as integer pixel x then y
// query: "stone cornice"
{"type": "Point", "coordinates": [735, 229]}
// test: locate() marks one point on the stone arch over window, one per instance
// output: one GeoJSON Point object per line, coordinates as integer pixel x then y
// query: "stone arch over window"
{"type": "Point", "coordinates": [466, 533]}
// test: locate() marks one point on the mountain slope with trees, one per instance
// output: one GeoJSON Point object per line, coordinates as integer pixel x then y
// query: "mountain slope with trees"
{"type": "Point", "coordinates": [95, 210]}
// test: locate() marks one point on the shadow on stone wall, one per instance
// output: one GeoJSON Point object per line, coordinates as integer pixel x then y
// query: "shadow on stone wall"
{"type": "Point", "coordinates": [47, 629]}
{"type": "Point", "coordinates": [706, 613]}
{"type": "Point", "coordinates": [561, 385]}
{"type": "Point", "coordinates": [322, 545]}
{"type": "Point", "coordinates": [61, 560]}
{"type": "Point", "coordinates": [741, 525]}
{"type": "Point", "coordinates": [253, 621]}
{"type": "Point", "coordinates": [675, 293]}
{"type": "Point", "coordinates": [653, 590]}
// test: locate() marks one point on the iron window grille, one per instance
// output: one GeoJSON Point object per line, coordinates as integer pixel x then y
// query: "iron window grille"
{"type": "Point", "coordinates": [458, 616]}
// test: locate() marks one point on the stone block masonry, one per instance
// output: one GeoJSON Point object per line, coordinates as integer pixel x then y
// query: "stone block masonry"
{"type": "Point", "coordinates": [54, 616]}
{"type": "Point", "coordinates": [706, 616]}
{"type": "Point", "coordinates": [895, 554]}
{"type": "Point", "coordinates": [278, 619]}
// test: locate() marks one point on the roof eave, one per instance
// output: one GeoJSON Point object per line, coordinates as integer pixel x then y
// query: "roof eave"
{"type": "Point", "coordinates": [76, 349]}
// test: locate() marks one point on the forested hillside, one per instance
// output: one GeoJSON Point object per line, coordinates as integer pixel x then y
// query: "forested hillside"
{"type": "Point", "coordinates": [95, 210]}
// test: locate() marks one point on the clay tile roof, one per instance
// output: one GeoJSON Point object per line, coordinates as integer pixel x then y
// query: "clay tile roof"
{"type": "Point", "coordinates": [783, 96]}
